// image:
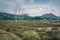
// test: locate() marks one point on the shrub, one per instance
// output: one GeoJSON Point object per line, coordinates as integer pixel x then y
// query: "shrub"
{"type": "Point", "coordinates": [8, 36]}
{"type": "Point", "coordinates": [54, 35]}
{"type": "Point", "coordinates": [30, 35]}
{"type": "Point", "coordinates": [54, 28]}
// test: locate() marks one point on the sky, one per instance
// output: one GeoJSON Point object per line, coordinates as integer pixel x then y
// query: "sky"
{"type": "Point", "coordinates": [30, 7]}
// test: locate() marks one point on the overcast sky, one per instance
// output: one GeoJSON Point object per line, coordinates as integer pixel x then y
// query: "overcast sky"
{"type": "Point", "coordinates": [31, 7]}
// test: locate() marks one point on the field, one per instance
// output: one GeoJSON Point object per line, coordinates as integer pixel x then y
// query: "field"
{"type": "Point", "coordinates": [28, 29]}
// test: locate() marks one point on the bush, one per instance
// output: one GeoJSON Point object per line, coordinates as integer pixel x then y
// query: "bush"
{"type": "Point", "coordinates": [54, 35]}
{"type": "Point", "coordinates": [54, 28]}
{"type": "Point", "coordinates": [8, 36]}
{"type": "Point", "coordinates": [30, 35]}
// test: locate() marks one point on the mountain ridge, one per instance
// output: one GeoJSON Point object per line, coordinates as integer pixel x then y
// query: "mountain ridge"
{"type": "Point", "coordinates": [7, 16]}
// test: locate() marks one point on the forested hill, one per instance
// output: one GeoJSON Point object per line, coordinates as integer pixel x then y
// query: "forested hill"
{"type": "Point", "coordinates": [8, 16]}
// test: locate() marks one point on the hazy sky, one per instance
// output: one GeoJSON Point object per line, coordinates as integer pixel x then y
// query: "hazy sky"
{"type": "Point", "coordinates": [31, 7]}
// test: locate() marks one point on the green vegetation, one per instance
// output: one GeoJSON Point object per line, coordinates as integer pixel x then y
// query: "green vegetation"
{"type": "Point", "coordinates": [8, 36]}
{"type": "Point", "coordinates": [30, 35]}
{"type": "Point", "coordinates": [30, 30]}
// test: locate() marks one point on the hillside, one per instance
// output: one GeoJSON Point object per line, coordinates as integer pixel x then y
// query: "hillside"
{"type": "Point", "coordinates": [8, 16]}
{"type": "Point", "coordinates": [50, 16]}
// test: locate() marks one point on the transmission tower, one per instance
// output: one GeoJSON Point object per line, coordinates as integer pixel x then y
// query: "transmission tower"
{"type": "Point", "coordinates": [18, 9]}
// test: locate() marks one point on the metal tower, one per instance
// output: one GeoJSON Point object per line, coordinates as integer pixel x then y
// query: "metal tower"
{"type": "Point", "coordinates": [18, 10]}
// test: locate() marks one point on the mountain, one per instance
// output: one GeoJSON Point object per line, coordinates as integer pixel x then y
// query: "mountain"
{"type": "Point", "coordinates": [47, 16]}
{"type": "Point", "coordinates": [8, 16]}
{"type": "Point", "coordinates": [25, 17]}
{"type": "Point", "coordinates": [50, 16]}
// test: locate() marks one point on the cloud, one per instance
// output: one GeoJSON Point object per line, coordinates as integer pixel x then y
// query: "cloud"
{"type": "Point", "coordinates": [32, 1]}
{"type": "Point", "coordinates": [35, 10]}
{"type": "Point", "coordinates": [3, 6]}
{"type": "Point", "coordinates": [32, 7]}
